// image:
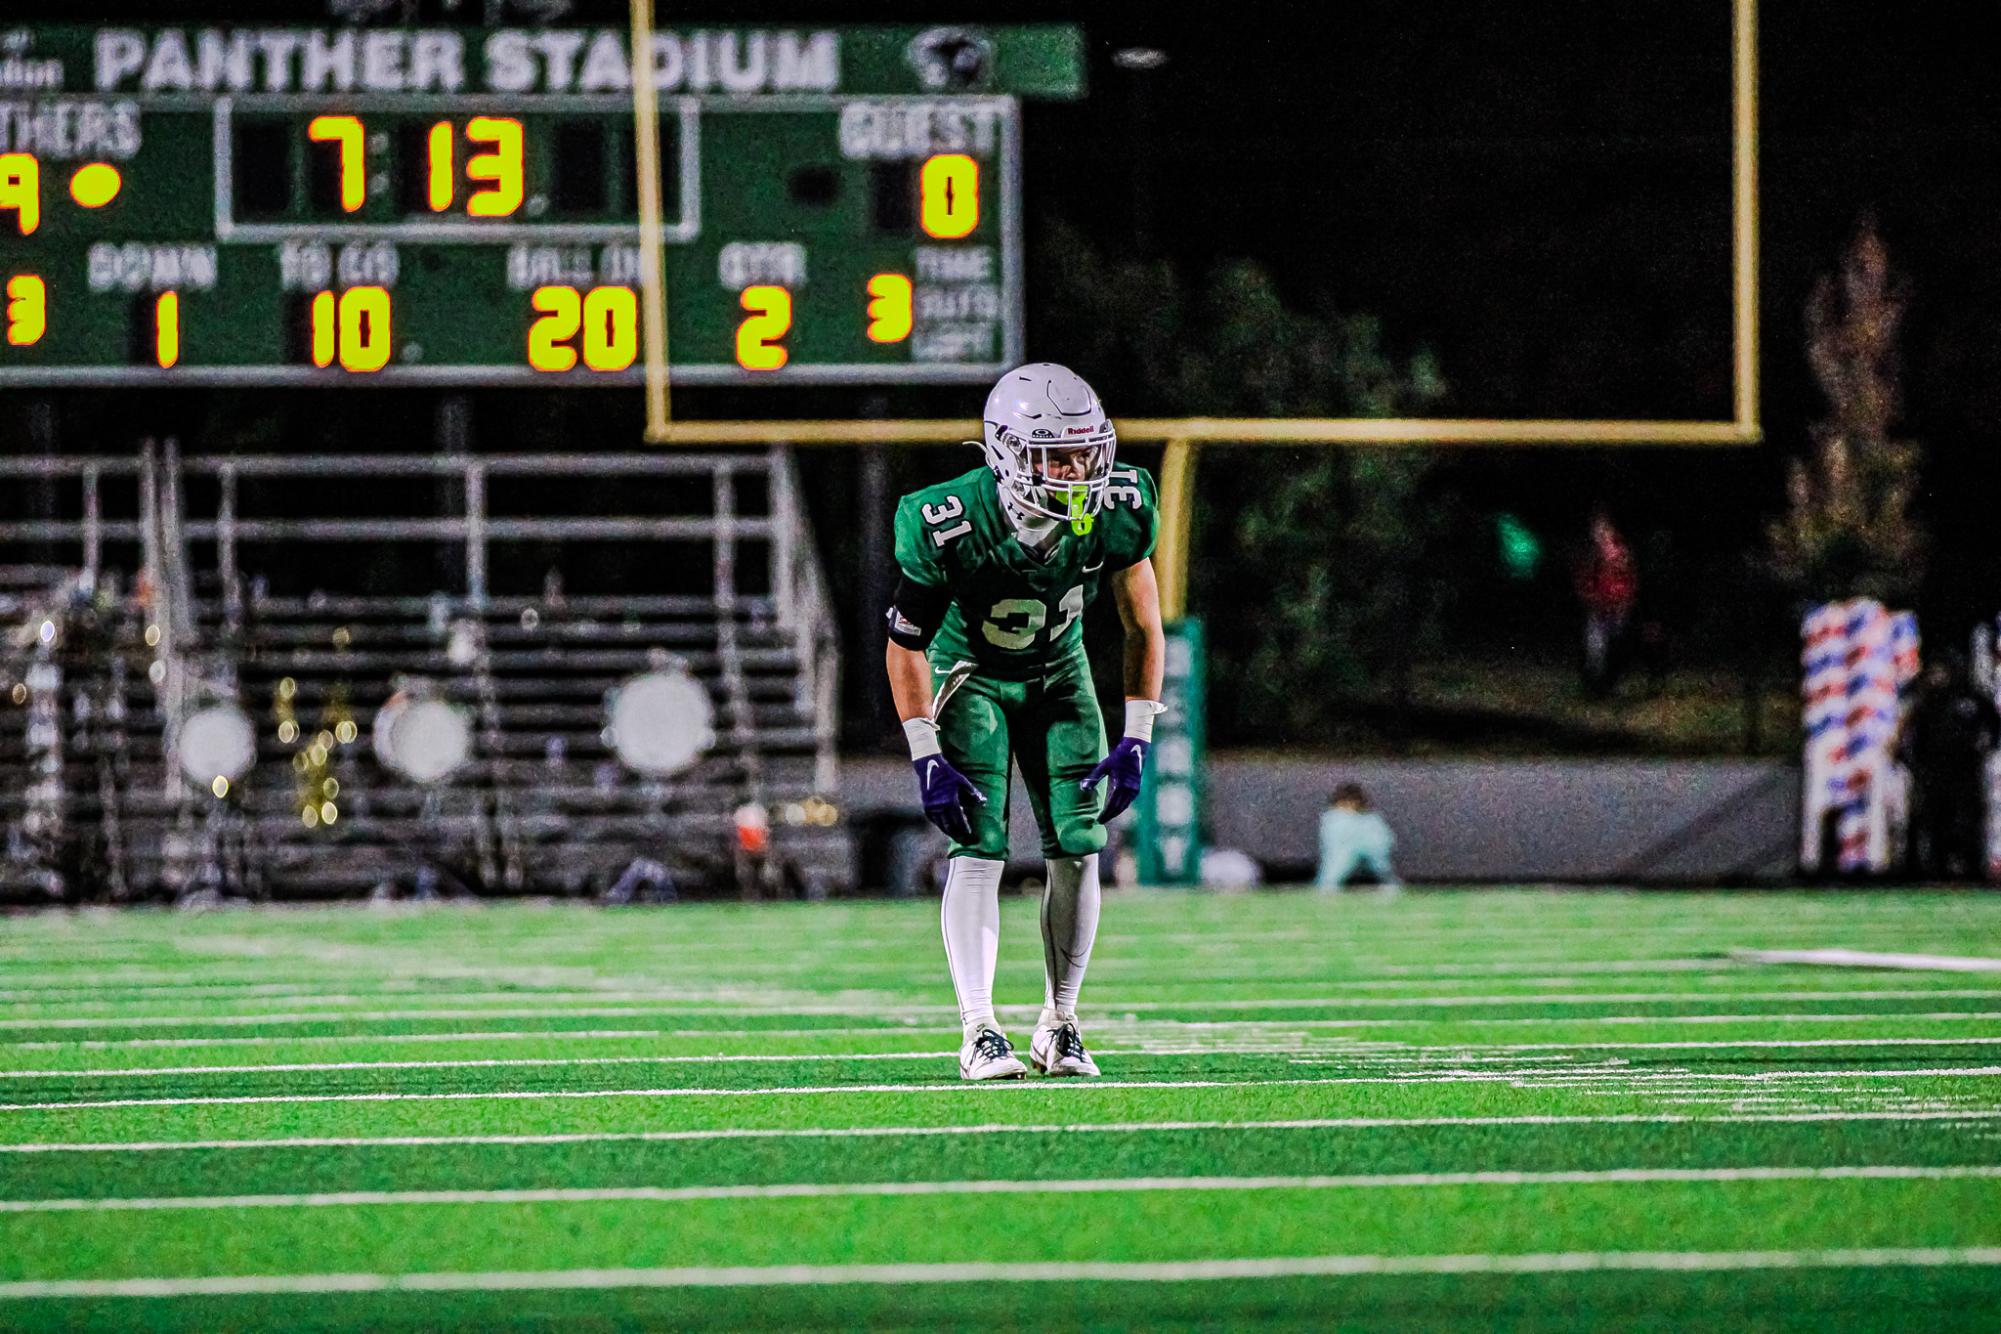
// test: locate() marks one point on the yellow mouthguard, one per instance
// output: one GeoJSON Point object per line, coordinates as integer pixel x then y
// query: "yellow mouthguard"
{"type": "Point", "coordinates": [1080, 522]}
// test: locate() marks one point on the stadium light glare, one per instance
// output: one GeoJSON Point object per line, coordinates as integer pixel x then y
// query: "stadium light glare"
{"type": "Point", "coordinates": [217, 745]}
{"type": "Point", "coordinates": [660, 722]}
{"type": "Point", "coordinates": [421, 737]}
{"type": "Point", "coordinates": [1139, 57]}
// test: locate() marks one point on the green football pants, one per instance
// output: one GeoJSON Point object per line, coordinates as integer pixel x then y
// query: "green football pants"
{"type": "Point", "coordinates": [1051, 727]}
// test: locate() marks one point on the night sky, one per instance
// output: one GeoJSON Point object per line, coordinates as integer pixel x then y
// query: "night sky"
{"type": "Point", "coordinates": [1539, 193]}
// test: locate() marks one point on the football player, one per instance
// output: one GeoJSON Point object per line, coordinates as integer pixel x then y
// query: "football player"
{"type": "Point", "coordinates": [986, 663]}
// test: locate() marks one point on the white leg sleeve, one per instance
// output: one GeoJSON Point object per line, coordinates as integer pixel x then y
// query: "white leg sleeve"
{"type": "Point", "coordinates": [1069, 925]}
{"type": "Point", "coordinates": [971, 918]}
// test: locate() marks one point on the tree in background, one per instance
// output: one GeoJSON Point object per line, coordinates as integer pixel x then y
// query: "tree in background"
{"type": "Point", "coordinates": [1848, 529]}
{"type": "Point", "coordinates": [1311, 559]}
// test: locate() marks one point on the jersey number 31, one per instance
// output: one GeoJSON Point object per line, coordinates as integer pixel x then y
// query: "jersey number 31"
{"type": "Point", "coordinates": [1015, 622]}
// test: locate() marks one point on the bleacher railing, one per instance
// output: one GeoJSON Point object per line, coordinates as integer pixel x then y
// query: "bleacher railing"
{"type": "Point", "coordinates": [305, 592]}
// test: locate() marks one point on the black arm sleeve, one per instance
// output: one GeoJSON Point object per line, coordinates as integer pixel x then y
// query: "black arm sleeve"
{"type": "Point", "coordinates": [916, 613]}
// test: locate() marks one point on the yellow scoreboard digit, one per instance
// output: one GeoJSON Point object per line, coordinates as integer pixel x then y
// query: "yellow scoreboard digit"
{"type": "Point", "coordinates": [602, 325]}
{"type": "Point", "coordinates": [760, 338]}
{"type": "Point", "coordinates": [27, 309]}
{"type": "Point", "coordinates": [21, 190]}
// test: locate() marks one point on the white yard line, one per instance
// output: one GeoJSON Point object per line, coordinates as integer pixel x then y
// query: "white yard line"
{"type": "Point", "coordinates": [561, 1000]}
{"type": "Point", "coordinates": [1708, 997]}
{"type": "Point", "coordinates": [1085, 1271]}
{"type": "Point", "coordinates": [1165, 1027]}
{"type": "Point", "coordinates": [1639, 1079]}
{"type": "Point", "coordinates": [1852, 1016]}
{"type": "Point", "coordinates": [992, 1128]}
{"type": "Point", "coordinates": [158, 983]}
{"type": "Point", "coordinates": [1106, 1006]}
{"type": "Point", "coordinates": [692, 999]}
{"type": "Point", "coordinates": [1720, 1044]}
{"type": "Point", "coordinates": [448, 985]}
{"type": "Point", "coordinates": [321, 1039]}
{"type": "Point", "coordinates": [1840, 958]}
{"type": "Point", "coordinates": [706, 1058]}
{"type": "Point", "coordinates": [570, 1094]}
{"type": "Point", "coordinates": [558, 1035]}
{"type": "Point", "coordinates": [1074, 1186]}
{"type": "Point", "coordinates": [1398, 1054]}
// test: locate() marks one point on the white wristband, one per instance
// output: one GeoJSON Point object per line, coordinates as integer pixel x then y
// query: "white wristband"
{"type": "Point", "coordinates": [1140, 714]}
{"type": "Point", "coordinates": [922, 734]}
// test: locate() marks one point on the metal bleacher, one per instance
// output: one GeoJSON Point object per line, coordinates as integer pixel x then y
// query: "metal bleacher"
{"type": "Point", "coordinates": [307, 591]}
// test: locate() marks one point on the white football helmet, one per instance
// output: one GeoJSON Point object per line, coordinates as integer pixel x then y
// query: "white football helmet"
{"type": "Point", "coordinates": [1050, 443]}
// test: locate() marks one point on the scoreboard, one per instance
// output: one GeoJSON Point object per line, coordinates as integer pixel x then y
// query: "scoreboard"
{"type": "Point", "coordinates": [459, 206]}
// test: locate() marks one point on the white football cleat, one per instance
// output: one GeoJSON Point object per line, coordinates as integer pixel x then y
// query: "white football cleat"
{"type": "Point", "coordinates": [989, 1055]}
{"type": "Point", "coordinates": [1058, 1049]}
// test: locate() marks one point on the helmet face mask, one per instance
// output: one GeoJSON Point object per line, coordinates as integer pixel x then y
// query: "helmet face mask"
{"type": "Point", "coordinates": [1050, 444]}
{"type": "Point", "coordinates": [1055, 481]}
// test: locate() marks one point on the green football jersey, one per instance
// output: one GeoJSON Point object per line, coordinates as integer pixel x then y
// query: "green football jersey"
{"type": "Point", "coordinates": [1013, 612]}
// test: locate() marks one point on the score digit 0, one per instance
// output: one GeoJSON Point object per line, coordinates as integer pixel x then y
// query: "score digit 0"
{"type": "Point", "coordinates": [948, 196]}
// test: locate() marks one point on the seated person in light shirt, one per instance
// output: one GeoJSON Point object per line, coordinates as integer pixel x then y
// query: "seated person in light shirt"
{"type": "Point", "coordinates": [1354, 838]}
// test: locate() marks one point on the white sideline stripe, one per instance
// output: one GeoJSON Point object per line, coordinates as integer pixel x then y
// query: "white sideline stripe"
{"type": "Point", "coordinates": [992, 1128]}
{"type": "Point", "coordinates": [1075, 1186]}
{"type": "Point", "coordinates": [1079, 1086]}
{"type": "Point", "coordinates": [1443, 1051]}
{"type": "Point", "coordinates": [1105, 1006]}
{"type": "Point", "coordinates": [1087, 1271]}
{"type": "Point", "coordinates": [1098, 1025]}
{"type": "Point", "coordinates": [1841, 958]}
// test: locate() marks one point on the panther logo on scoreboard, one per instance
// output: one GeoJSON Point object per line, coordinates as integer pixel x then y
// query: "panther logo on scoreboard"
{"type": "Point", "coordinates": [951, 60]}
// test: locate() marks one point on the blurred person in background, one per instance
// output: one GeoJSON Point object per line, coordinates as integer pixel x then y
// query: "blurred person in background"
{"type": "Point", "coordinates": [1354, 838]}
{"type": "Point", "coordinates": [1608, 584]}
{"type": "Point", "coordinates": [1947, 737]}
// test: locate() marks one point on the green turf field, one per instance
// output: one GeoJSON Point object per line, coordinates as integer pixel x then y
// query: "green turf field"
{"type": "Point", "coordinates": [1481, 1110]}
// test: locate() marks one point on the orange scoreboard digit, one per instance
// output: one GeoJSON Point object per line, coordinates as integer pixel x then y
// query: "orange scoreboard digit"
{"type": "Point", "coordinates": [228, 204]}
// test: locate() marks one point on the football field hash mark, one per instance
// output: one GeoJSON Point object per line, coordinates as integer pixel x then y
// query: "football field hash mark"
{"type": "Point", "coordinates": [1839, 958]}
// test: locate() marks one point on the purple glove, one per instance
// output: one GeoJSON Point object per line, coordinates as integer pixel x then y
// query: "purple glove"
{"type": "Point", "coordinates": [1123, 766]}
{"type": "Point", "coordinates": [948, 796]}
